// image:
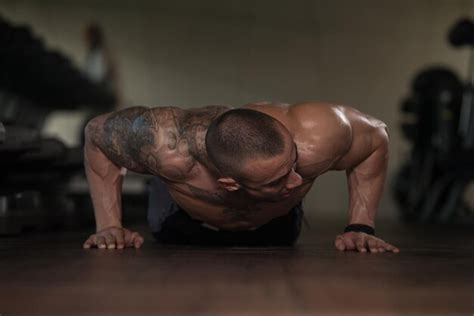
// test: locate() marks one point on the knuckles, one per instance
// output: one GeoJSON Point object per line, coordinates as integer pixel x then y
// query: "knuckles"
{"type": "Point", "coordinates": [114, 237]}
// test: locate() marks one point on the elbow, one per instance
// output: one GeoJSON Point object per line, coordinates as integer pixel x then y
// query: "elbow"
{"type": "Point", "coordinates": [93, 130]}
{"type": "Point", "coordinates": [381, 137]}
{"type": "Point", "coordinates": [88, 132]}
{"type": "Point", "coordinates": [382, 143]}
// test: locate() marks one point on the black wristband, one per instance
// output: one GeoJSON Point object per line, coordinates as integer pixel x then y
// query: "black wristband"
{"type": "Point", "coordinates": [360, 228]}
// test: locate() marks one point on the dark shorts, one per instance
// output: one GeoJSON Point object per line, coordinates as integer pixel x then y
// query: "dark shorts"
{"type": "Point", "coordinates": [171, 224]}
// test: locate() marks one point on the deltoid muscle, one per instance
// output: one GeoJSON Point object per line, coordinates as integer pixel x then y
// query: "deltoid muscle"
{"type": "Point", "coordinates": [126, 136]}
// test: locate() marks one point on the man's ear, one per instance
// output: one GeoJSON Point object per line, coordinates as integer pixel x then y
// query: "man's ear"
{"type": "Point", "coordinates": [229, 184]}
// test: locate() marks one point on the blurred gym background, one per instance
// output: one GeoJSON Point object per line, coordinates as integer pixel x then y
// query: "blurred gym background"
{"type": "Point", "coordinates": [408, 63]}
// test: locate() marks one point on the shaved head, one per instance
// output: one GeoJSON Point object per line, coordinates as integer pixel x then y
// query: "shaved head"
{"type": "Point", "coordinates": [242, 134]}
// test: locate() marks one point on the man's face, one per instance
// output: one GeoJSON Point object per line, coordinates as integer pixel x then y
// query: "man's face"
{"type": "Point", "coordinates": [272, 179]}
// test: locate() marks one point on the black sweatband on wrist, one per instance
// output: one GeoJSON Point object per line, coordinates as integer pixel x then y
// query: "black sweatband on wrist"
{"type": "Point", "coordinates": [360, 228]}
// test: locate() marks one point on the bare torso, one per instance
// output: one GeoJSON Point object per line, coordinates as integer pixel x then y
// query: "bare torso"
{"type": "Point", "coordinates": [175, 151]}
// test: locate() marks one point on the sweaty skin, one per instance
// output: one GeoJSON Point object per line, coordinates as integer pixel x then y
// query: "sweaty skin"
{"type": "Point", "coordinates": [170, 142]}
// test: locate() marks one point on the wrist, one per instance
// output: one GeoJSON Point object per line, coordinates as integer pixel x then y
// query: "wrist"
{"type": "Point", "coordinates": [103, 226]}
{"type": "Point", "coordinates": [362, 219]}
{"type": "Point", "coordinates": [360, 228]}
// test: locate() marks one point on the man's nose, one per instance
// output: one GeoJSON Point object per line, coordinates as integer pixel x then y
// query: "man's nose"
{"type": "Point", "coordinates": [295, 180]}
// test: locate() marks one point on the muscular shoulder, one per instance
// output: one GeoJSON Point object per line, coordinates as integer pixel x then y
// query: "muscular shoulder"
{"type": "Point", "coordinates": [307, 118]}
{"type": "Point", "coordinates": [122, 135]}
{"type": "Point", "coordinates": [317, 115]}
{"type": "Point", "coordinates": [338, 137]}
{"type": "Point", "coordinates": [323, 131]}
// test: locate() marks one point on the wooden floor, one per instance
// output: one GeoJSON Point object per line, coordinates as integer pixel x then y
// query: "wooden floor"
{"type": "Point", "coordinates": [50, 274]}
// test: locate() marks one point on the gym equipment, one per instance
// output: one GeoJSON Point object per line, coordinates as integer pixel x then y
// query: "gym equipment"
{"type": "Point", "coordinates": [35, 171]}
{"type": "Point", "coordinates": [438, 118]}
{"type": "Point", "coordinates": [433, 109]}
{"type": "Point", "coordinates": [462, 33]}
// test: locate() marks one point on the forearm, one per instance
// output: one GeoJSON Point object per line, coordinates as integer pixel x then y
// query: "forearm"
{"type": "Point", "coordinates": [105, 184]}
{"type": "Point", "coordinates": [366, 183]}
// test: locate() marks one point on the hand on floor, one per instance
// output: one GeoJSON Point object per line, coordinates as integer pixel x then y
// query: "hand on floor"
{"type": "Point", "coordinates": [362, 242]}
{"type": "Point", "coordinates": [114, 237]}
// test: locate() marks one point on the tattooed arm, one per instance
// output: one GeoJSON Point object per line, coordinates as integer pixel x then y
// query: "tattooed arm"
{"type": "Point", "coordinates": [108, 140]}
{"type": "Point", "coordinates": [164, 141]}
{"type": "Point", "coordinates": [112, 141]}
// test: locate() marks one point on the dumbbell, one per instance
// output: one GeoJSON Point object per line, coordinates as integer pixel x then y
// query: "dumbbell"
{"type": "Point", "coordinates": [462, 33]}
